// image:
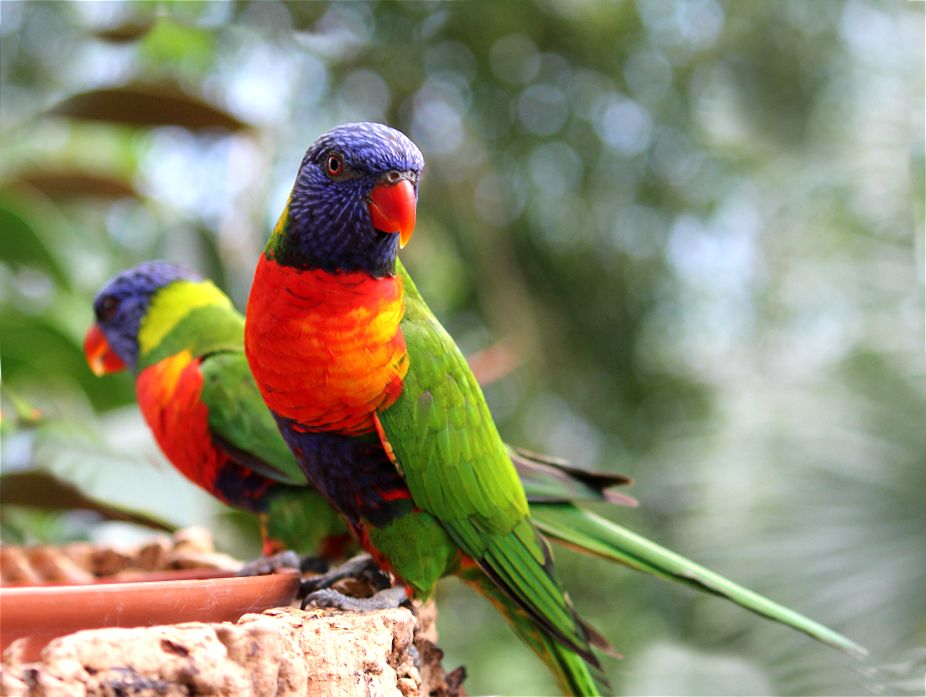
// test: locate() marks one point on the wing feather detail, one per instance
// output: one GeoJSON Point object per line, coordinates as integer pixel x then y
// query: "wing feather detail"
{"type": "Point", "coordinates": [458, 469]}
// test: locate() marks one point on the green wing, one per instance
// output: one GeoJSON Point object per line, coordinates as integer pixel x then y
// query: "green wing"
{"type": "Point", "coordinates": [458, 470]}
{"type": "Point", "coordinates": [240, 422]}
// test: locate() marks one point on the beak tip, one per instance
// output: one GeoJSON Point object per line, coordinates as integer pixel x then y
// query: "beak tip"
{"type": "Point", "coordinates": [404, 236]}
{"type": "Point", "coordinates": [101, 359]}
{"type": "Point", "coordinates": [392, 209]}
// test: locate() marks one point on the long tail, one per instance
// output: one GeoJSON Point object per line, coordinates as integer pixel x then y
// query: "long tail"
{"type": "Point", "coordinates": [575, 675]}
{"type": "Point", "coordinates": [571, 525]}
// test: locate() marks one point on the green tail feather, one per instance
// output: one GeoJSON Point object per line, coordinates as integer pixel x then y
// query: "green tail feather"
{"type": "Point", "coordinates": [590, 533]}
{"type": "Point", "coordinates": [574, 675]}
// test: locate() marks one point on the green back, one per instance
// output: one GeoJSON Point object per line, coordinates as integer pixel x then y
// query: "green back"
{"type": "Point", "coordinates": [458, 470]}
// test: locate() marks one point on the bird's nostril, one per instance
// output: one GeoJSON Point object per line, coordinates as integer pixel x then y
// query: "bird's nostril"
{"type": "Point", "coordinates": [393, 176]}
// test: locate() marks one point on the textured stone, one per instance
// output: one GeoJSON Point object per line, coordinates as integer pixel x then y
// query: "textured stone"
{"type": "Point", "coordinates": [284, 651]}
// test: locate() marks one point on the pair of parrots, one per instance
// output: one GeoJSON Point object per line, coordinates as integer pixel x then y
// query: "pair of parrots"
{"type": "Point", "coordinates": [341, 405]}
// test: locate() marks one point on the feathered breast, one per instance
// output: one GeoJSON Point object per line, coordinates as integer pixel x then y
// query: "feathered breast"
{"type": "Point", "coordinates": [169, 397]}
{"type": "Point", "coordinates": [326, 348]}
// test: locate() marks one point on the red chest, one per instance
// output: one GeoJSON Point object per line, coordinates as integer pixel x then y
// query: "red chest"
{"type": "Point", "coordinates": [168, 395]}
{"type": "Point", "coordinates": [326, 348]}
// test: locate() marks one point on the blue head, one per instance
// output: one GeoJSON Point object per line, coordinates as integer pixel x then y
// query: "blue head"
{"type": "Point", "coordinates": [353, 202]}
{"type": "Point", "coordinates": [112, 343]}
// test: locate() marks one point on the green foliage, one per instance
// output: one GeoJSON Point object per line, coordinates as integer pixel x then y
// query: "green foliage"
{"type": "Point", "coordinates": [692, 221]}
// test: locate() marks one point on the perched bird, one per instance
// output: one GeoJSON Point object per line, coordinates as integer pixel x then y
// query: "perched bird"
{"type": "Point", "coordinates": [183, 339]}
{"type": "Point", "coordinates": [385, 418]}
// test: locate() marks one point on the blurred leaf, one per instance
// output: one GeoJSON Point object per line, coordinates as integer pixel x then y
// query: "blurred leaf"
{"type": "Point", "coordinates": [40, 351]}
{"type": "Point", "coordinates": [24, 413]}
{"type": "Point", "coordinates": [75, 183]}
{"type": "Point", "coordinates": [148, 105]}
{"type": "Point", "coordinates": [124, 33]}
{"type": "Point", "coordinates": [42, 490]}
{"type": "Point", "coordinates": [22, 244]}
{"type": "Point", "coordinates": [305, 14]}
{"type": "Point", "coordinates": [211, 257]}
{"type": "Point", "coordinates": [170, 43]}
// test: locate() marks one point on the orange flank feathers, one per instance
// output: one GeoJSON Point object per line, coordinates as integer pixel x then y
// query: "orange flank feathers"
{"type": "Point", "coordinates": [332, 352]}
{"type": "Point", "coordinates": [168, 395]}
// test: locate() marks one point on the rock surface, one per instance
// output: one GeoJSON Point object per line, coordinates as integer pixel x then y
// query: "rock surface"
{"type": "Point", "coordinates": [284, 651]}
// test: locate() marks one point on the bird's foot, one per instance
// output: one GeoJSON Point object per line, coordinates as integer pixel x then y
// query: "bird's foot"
{"type": "Point", "coordinates": [360, 567]}
{"type": "Point", "coordinates": [314, 565]}
{"type": "Point", "coordinates": [386, 599]}
{"type": "Point", "coordinates": [267, 565]}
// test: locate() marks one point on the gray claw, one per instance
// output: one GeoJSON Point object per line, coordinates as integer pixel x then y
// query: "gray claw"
{"type": "Point", "coordinates": [387, 599]}
{"type": "Point", "coordinates": [267, 565]}
{"type": "Point", "coordinates": [362, 566]}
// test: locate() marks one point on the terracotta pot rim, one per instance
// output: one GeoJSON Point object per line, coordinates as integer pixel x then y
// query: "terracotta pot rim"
{"type": "Point", "coordinates": [150, 581]}
{"type": "Point", "coordinates": [123, 579]}
{"type": "Point", "coordinates": [41, 613]}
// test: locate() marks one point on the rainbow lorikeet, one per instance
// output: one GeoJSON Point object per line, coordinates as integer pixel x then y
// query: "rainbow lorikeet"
{"type": "Point", "coordinates": [382, 412]}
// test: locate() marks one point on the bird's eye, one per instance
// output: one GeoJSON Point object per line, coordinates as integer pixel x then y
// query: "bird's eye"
{"type": "Point", "coordinates": [107, 308]}
{"type": "Point", "coordinates": [334, 165]}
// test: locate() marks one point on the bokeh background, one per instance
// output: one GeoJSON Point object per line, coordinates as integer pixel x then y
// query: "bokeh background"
{"type": "Point", "coordinates": [691, 234]}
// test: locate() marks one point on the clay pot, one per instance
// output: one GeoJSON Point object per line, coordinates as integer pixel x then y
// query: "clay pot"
{"type": "Point", "coordinates": [41, 613]}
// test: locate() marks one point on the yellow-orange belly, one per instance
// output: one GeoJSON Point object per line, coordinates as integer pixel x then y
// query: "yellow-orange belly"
{"type": "Point", "coordinates": [325, 348]}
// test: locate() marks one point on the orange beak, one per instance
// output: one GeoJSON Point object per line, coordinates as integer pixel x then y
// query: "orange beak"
{"type": "Point", "coordinates": [99, 354]}
{"type": "Point", "coordinates": [392, 209]}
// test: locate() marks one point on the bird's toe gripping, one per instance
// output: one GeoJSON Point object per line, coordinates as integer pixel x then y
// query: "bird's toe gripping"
{"type": "Point", "coordinates": [267, 565]}
{"type": "Point", "coordinates": [362, 567]}
{"type": "Point", "coordinates": [387, 599]}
